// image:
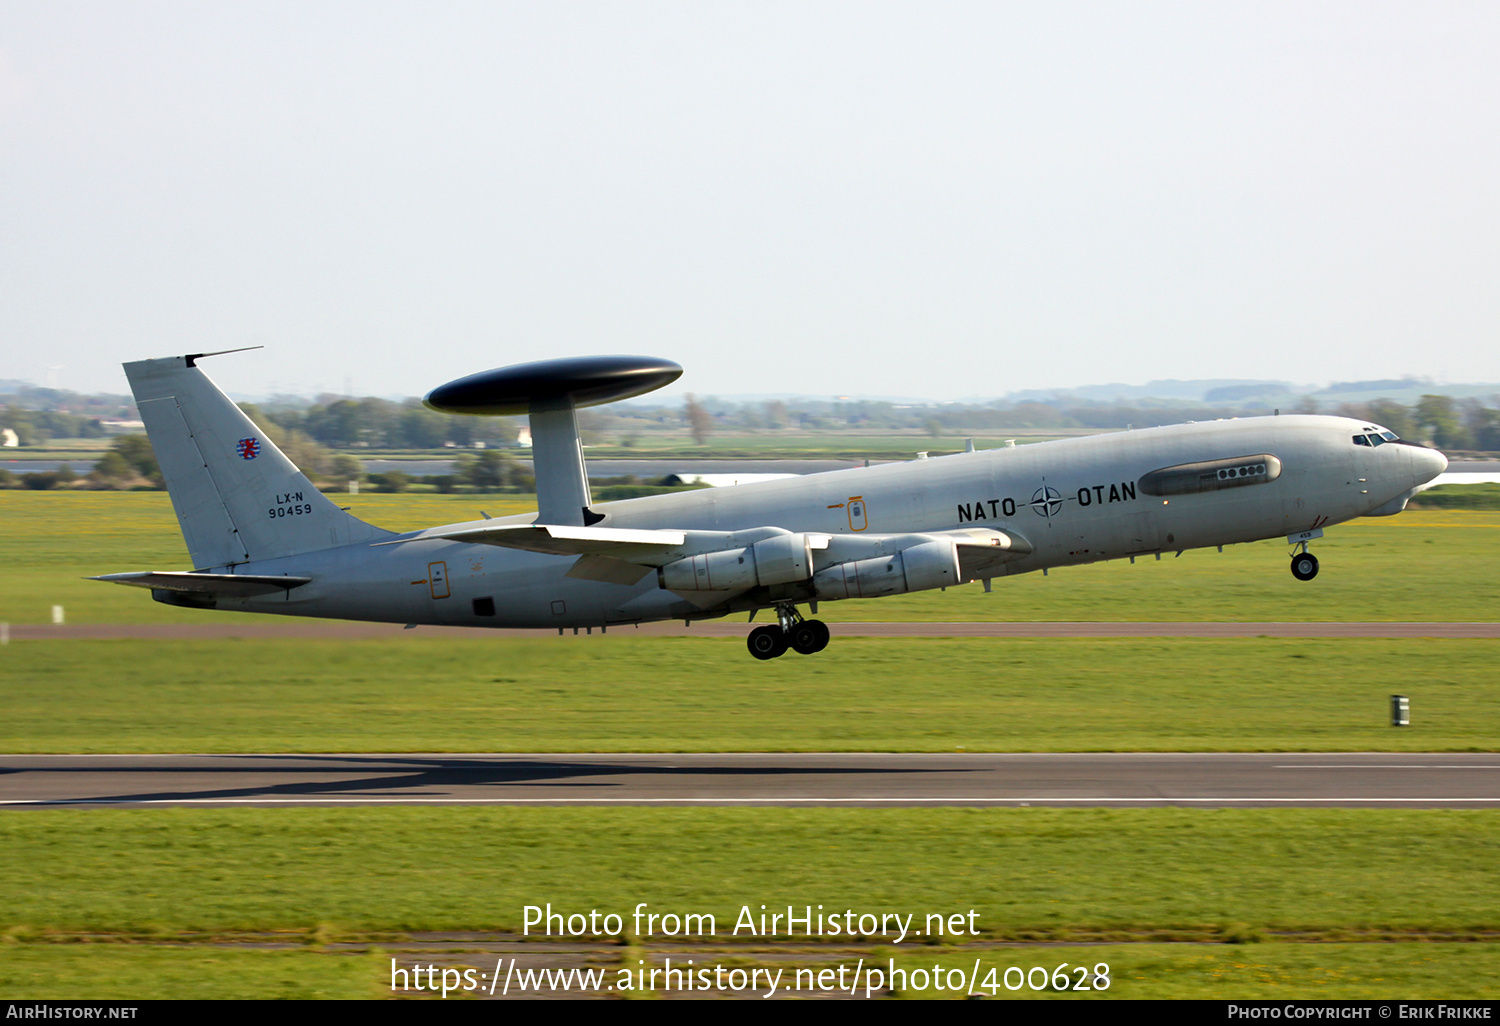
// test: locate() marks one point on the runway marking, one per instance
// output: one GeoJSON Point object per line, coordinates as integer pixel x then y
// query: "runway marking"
{"type": "Point", "coordinates": [698, 801]}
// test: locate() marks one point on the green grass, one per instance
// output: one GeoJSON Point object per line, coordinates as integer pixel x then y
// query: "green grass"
{"type": "Point", "coordinates": [1263, 971]}
{"type": "Point", "coordinates": [1428, 566]}
{"type": "Point", "coordinates": [670, 444]}
{"type": "Point", "coordinates": [135, 972]}
{"type": "Point", "coordinates": [1329, 876]}
{"type": "Point", "coordinates": [619, 693]}
{"type": "Point", "coordinates": [51, 541]}
{"type": "Point", "coordinates": [1032, 874]}
{"type": "Point", "coordinates": [1479, 496]}
{"type": "Point", "coordinates": [1261, 903]}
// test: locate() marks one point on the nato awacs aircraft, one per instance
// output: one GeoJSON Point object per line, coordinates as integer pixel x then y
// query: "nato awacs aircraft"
{"type": "Point", "coordinates": [263, 539]}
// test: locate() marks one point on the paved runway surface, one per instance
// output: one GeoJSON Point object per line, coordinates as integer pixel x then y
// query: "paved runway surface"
{"type": "Point", "coordinates": [1358, 780]}
{"type": "Point", "coordinates": [738, 628]}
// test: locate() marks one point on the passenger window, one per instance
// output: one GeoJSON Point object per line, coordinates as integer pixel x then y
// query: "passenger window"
{"type": "Point", "coordinates": [1361, 440]}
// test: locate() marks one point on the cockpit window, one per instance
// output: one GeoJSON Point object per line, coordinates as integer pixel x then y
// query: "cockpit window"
{"type": "Point", "coordinates": [1361, 440]}
{"type": "Point", "coordinates": [1376, 440]}
{"type": "Point", "coordinates": [1389, 436]}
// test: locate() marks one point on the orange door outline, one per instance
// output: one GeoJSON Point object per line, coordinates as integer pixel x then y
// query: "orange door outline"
{"type": "Point", "coordinates": [858, 513]}
{"type": "Point", "coordinates": [437, 578]}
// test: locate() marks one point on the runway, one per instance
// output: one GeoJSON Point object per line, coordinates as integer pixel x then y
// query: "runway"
{"type": "Point", "coordinates": [738, 628]}
{"type": "Point", "coordinates": [864, 780]}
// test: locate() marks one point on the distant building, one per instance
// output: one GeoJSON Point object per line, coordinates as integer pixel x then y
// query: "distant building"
{"type": "Point", "coordinates": [721, 480]}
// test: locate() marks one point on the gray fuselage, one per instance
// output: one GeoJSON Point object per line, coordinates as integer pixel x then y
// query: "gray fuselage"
{"type": "Point", "coordinates": [1073, 501]}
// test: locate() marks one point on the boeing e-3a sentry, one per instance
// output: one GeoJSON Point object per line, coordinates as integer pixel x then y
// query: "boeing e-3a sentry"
{"type": "Point", "coordinates": [263, 539]}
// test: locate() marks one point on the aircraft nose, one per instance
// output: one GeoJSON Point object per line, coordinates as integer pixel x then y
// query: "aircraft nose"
{"type": "Point", "coordinates": [1427, 464]}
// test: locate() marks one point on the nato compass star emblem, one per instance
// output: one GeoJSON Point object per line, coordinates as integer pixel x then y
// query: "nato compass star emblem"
{"type": "Point", "coordinates": [248, 448]}
{"type": "Point", "coordinates": [1047, 502]}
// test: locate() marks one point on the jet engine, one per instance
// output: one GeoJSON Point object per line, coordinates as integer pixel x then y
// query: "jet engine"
{"type": "Point", "coordinates": [782, 559]}
{"type": "Point", "coordinates": [932, 564]}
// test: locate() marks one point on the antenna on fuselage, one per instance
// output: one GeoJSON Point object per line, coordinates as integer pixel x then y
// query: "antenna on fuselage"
{"type": "Point", "coordinates": [550, 393]}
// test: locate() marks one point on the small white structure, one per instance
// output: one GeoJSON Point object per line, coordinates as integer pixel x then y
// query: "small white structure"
{"type": "Point", "coordinates": [9, 439]}
{"type": "Point", "coordinates": [1458, 477]}
{"type": "Point", "coordinates": [728, 480]}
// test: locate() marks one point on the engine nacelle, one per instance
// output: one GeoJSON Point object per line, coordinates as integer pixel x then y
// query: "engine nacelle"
{"type": "Point", "coordinates": [783, 559]}
{"type": "Point", "coordinates": [931, 564]}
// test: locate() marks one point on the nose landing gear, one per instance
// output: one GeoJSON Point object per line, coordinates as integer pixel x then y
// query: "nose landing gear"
{"type": "Point", "coordinates": [790, 631]}
{"type": "Point", "coordinates": [1304, 564]}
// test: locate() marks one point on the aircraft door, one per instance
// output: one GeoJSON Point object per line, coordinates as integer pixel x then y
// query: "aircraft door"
{"type": "Point", "coordinates": [858, 515]}
{"type": "Point", "coordinates": [437, 579]}
{"type": "Point", "coordinates": [1135, 532]}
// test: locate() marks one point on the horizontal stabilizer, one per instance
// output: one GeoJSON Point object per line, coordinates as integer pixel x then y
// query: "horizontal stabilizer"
{"type": "Point", "coordinates": [225, 585]}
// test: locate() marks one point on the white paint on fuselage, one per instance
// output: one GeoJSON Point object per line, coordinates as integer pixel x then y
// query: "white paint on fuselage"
{"type": "Point", "coordinates": [1325, 480]}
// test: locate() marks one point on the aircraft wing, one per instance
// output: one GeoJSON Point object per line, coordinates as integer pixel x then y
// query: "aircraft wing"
{"type": "Point", "coordinates": [609, 554]}
{"type": "Point", "coordinates": [226, 585]}
{"type": "Point", "coordinates": [562, 540]}
{"type": "Point", "coordinates": [624, 555]}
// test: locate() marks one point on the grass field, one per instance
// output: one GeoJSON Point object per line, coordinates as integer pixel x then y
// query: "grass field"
{"type": "Point", "coordinates": [1269, 899]}
{"type": "Point", "coordinates": [1181, 903]}
{"type": "Point", "coordinates": [1412, 970]}
{"type": "Point", "coordinates": [1033, 874]}
{"type": "Point", "coordinates": [619, 693]}
{"type": "Point", "coordinates": [673, 444]}
{"type": "Point", "coordinates": [1262, 971]}
{"type": "Point", "coordinates": [1477, 496]}
{"type": "Point", "coordinates": [1430, 565]}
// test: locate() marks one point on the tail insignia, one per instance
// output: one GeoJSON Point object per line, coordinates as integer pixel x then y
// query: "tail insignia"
{"type": "Point", "coordinates": [248, 448]}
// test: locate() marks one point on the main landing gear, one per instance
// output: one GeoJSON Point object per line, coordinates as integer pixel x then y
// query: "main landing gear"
{"type": "Point", "coordinates": [790, 631]}
{"type": "Point", "coordinates": [1304, 564]}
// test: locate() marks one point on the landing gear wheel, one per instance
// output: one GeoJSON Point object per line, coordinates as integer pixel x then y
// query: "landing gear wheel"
{"type": "Point", "coordinates": [809, 636]}
{"type": "Point", "coordinates": [1304, 566]}
{"type": "Point", "coordinates": [823, 635]}
{"type": "Point", "coordinates": [766, 642]}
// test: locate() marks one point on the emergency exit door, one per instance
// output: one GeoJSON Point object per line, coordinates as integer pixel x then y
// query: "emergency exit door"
{"type": "Point", "coordinates": [437, 579]}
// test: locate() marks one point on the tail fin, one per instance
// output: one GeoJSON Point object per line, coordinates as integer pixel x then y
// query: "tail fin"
{"type": "Point", "coordinates": [237, 497]}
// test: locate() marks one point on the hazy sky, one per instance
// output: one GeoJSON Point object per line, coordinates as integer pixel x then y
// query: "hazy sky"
{"type": "Point", "coordinates": [937, 199]}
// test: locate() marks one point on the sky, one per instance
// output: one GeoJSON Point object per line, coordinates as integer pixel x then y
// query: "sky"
{"type": "Point", "coordinates": [922, 199]}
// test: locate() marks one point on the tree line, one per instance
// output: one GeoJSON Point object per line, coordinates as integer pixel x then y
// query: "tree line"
{"type": "Point", "coordinates": [307, 432]}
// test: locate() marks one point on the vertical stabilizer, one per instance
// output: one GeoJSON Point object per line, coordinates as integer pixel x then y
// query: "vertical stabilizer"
{"type": "Point", "coordinates": [237, 497]}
